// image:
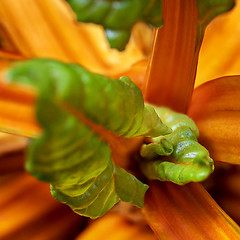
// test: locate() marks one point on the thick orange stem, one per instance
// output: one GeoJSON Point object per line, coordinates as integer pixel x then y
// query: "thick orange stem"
{"type": "Point", "coordinates": [29, 212]}
{"type": "Point", "coordinates": [175, 212]}
{"type": "Point", "coordinates": [186, 213]}
{"type": "Point", "coordinates": [172, 68]}
{"type": "Point", "coordinates": [17, 110]}
{"type": "Point", "coordinates": [215, 108]}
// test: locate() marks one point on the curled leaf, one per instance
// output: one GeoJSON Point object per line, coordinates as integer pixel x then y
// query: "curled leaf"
{"type": "Point", "coordinates": [74, 151]}
{"type": "Point", "coordinates": [189, 162]}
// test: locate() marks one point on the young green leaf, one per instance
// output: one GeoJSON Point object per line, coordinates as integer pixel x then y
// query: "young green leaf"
{"type": "Point", "coordinates": [189, 161]}
{"type": "Point", "coordinates": [117, 17]}
{"type": "Point", "coordinates": [71, 153]}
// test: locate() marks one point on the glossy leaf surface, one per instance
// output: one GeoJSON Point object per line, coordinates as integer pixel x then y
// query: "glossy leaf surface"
{"type": "Point", "coordinates": [189, 161]}
{"type": "Point", "coordinates": [73, 153]}
{"type": "Point", "coordinates": [117, 17]}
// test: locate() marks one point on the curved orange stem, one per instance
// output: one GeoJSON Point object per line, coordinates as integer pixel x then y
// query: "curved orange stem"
{"type": "Point", "coordinates": [176, 212]}
{"type": "Point", "coordinates": [172, 68]}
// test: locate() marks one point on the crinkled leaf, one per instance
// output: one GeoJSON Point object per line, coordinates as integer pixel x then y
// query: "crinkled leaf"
{"type": "Point", "coordinates": [117, 17]}
{"type": "Point", "coordinates": [189, 161]}
{"type": "Point", "coordinates": [123, 179]}
{"type": "Point", "coordinates": [71, 153]}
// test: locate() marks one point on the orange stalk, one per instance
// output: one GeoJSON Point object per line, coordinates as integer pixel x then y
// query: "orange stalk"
{"type": "Point", "coordinates": [116, 227]}
{"type": "Point", "coordinates": [12, 162]}
{"type": "Point", "coordinates": [35, 215]}
{"type": "Point", "coordinates": [50, 30]}
{"type": "Point", "coordinates": [220, 51]}
{"type": "Point", "coordinates": [17, 110]}
{"type": "Point", "coordinates": [224, 186]}
{"type": "Point", "coordinates": [172, 211]}
{"type": "Point", "coordinates": [187, 212]}
{"type": "Point", "coordinates": [215, 108]}
{"type": "Point", "coordinates": [10, 56]}
{"type": "Point", "coordinates": [11, 153]}
{"type": "Point", "coordinates": [172, 67]}
{"type": "Point", "coordinates": [10, 143]}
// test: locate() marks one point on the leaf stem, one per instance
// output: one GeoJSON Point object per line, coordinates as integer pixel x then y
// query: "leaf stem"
{"type": "Point", "coordinates": [172, 68]}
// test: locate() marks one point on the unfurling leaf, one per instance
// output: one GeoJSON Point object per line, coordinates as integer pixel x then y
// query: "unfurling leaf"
{"type": "Point", "coordinates": [77, 110]}
{"type": "Point", "coordinates": [188, 162]}
{"type": "Point", "coordinates": [117, 17]}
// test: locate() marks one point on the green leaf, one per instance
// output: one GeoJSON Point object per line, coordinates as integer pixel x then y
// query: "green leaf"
{"type": "Point", "coordinates": [118, 16]}
{"type": "Point", "coordinates": [117, 38]}
{"type": "Point", "coordinates": [188, 162]}
{"type": "Point", "coordinates": [71, 153]}
{"type": "Point", "coordinates": [125, 183]}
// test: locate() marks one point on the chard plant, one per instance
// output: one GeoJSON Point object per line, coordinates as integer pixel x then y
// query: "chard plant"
{"type": "Point", "coordinates": [100, 132]}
